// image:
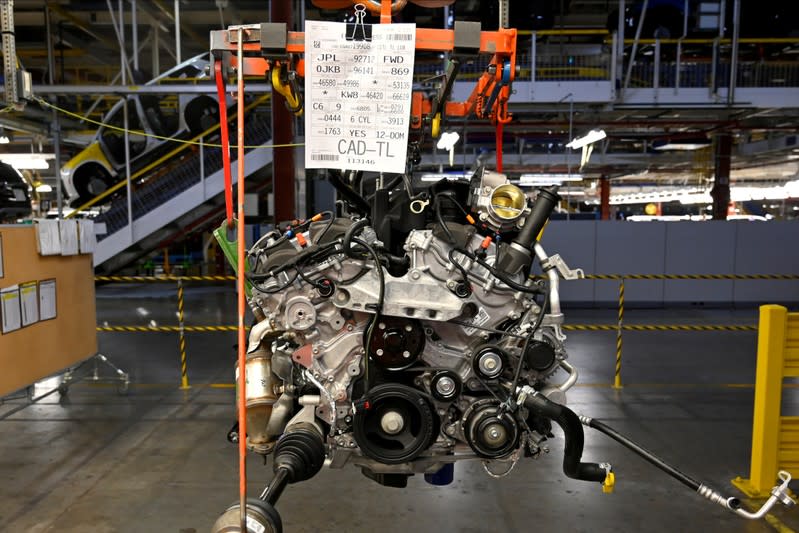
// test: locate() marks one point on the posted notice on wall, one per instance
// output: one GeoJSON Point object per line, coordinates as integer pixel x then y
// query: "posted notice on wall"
{"type": "Point", "coordinates": [47, 299]}
{"type": "Point", "coordinates": [29, 302]}
{"type": "Point", "coordinates": [10, 309]}
{"type": "Point", "coordinates": [358, 95]}
{"type": "Point", "coordinates": [48, 238]}
{"type": "Point", "coordinates": [68, 230]}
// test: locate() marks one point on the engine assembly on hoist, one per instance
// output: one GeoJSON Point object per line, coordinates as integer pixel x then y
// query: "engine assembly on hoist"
{"type": "Point", "coordinates": [416, 326]}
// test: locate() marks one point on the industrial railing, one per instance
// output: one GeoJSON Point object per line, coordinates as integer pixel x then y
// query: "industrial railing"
{"type": "Point", "coordinates": [619, 326]}
{"type": "Point", "coordinates": [658, 63]}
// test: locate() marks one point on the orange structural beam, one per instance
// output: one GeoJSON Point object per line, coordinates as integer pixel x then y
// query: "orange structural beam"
{"type": "Point", "coordinates": [427, 39]}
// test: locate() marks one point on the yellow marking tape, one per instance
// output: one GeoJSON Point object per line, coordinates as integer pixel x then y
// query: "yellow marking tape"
{"type": "Point", "coordinates": [656, 327]}
{"type": "Point", "coordinates": [694, 276]}
{"type": "Point", "coordinates": [568, 327]}
{"type": "Point", "coordinates": [167, 329]}
{"type": "Point", "coordinates": [143, 279]}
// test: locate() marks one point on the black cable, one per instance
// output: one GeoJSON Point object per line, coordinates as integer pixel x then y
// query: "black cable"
{"type": "Point", "coordinates": [499, 275]}
{"type": "Point", "coordinates": [460, 267]}
{"type": "Point", "coordinates": [389, 187]}
{"type": "Point", "coordinates": [653, 459]}
{"type": "Point", "coordinates": [274, 289]}
{"type": "Point", "coordinates": [378, 309]}
{"type": "Point", "coordinates": [331, 218]}
{"type": "Point", "coordinates": [349, 236]}
{"type": "Point", "coordinates": [351, 196]}
{"type": "Point", "coordinates": [538, 320]}
{"type": "Point", "coordinates": [441, 223]}
{"type": "Point", "coordinates": [448, 196]}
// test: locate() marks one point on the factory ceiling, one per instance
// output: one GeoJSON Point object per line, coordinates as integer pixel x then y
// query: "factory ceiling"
{"type": "Point", "coordinates": [86, 51]}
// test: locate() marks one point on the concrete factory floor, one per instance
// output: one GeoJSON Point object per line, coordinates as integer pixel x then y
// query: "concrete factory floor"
{"type": "Point", "coordinates": [157, 459]}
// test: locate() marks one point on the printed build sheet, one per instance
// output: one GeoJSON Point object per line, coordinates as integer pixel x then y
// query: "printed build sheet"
{"type": "Point", "coordinates": [29, 300]}
{"type": "Point", "coordinates": [10, 309]}
{"type": "Point", "coordinates": [358, 96]}
{"type": "Point", "coordinates": [47, 299]}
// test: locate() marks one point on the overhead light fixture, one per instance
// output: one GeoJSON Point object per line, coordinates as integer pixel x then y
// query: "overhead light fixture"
{"type": "Point", "coordinates": [27, 161]}
{"type": "Point", "coordinates": [439, 177]}
{"type": "Point", "coordinates": [589, 138]}
{"type": "Point", "coordinates": [550, 177]}
{"type": "Point", "coordinates": [702, 196]}
{"type": "Point", "coordinates": [536, 180]}
{"type": "Point", "coordinates": [687, 144]}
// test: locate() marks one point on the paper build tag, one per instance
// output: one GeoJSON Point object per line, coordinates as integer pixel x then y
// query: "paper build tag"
{"type": "Point", "coordinates": [358, 97]}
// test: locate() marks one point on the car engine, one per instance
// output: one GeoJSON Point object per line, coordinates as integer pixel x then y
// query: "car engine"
{"type": "Point", "coordinates": [417, 327]}
{"type": "Point", "coordinates": [403, 348]}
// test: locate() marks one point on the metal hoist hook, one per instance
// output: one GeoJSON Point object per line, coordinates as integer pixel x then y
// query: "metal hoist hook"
{"type": "Point", "coordinates": [288, 90]}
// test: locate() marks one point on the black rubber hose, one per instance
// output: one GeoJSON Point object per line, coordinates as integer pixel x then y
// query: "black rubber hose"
{"type": "Point", "coordinates": [644, 453]}
{"type": "Point", "coordinates": [351, 232]}
{"type": "Point", "coordinates": [350, 196]}
{"type": "Point", "coordinates": [573, 432]}
{"type": "Point", "coordinates": [543, 206]}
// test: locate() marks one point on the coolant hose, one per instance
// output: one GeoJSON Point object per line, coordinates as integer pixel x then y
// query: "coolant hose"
{"type": "Point", "coordinates": [573, 432]}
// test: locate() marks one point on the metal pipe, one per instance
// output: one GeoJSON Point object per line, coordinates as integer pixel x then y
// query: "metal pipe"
{"type": "Point", "coordinates": [240, 284]}
{"type": "Point", "coordinates": [177, 46]}
{"type": "Point", "coordinates": [120, 36]}
{"type": "Point", "coordinates": [113, 80]}
{"type": "Point", "coordinates": [125, 117]}
{"type": "Point", "coordinates": [143, 89]}
{"type": "Point", "coordinates": [736, 30]}
{"type": "Point", "coordinates": [156, 51]}
{"type": "Point", "coordinates": [620, 52]}
{"type": "Point", "coordinates": [554, 281]}
{"type": "Point", "coordinates": [134, 28]}
{"type": "Point", "coordinates": [656, 78]}
{"type": "Point", "coordinates": [635, 44]}
{"type": "Point", "coordinates": [56, 121]}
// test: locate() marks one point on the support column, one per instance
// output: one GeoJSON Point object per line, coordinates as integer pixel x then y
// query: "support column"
{"type": "Point", "coordinates": [721, 181]}
{"type": "Point", "coordinates": [604, 197]}
{"type": "Point", "coordinates": [282, 133]}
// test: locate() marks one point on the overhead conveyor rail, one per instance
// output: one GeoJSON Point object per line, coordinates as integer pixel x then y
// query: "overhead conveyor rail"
{"type": "Point", "coordinates": [173, 192]}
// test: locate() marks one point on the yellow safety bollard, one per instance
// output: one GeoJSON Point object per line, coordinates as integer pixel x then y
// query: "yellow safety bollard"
{"type": "Point", "coordinates": [617, 372]}
{"type": "Point", "coordinates": [767, 441]}
{"type": "Point", "coordinates": [184, 378]}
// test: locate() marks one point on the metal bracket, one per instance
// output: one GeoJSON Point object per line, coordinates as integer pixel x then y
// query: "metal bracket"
{"type": "Point", "coordinates": [563, 269]}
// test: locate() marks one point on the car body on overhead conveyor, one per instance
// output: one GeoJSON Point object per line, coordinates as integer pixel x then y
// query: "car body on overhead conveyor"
{"type": "Point", "coordinates": [15, 198]}
{"type": "Point", "coordinates": [102, 163]}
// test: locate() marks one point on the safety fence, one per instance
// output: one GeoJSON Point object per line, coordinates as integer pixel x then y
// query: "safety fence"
{"type": "Point", "coordinates": [619, 327]}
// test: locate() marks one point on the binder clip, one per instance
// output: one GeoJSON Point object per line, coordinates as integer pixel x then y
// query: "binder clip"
{"type": "Point", "coordinates": [358, 31]}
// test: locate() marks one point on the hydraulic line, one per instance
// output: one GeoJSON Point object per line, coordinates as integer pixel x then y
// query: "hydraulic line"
{"type": "Point", "coordinates": [779, 494]}
{"type": "Point", "coordinates": [683, 478]}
